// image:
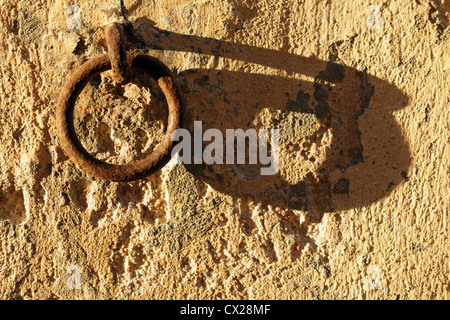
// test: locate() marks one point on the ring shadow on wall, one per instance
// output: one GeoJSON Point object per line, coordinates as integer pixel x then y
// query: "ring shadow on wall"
{"type": "Point", "coordinates": [340, 146]}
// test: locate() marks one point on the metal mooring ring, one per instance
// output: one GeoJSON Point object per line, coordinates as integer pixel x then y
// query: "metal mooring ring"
{"type": "Point", "coordinates": [66, 130]}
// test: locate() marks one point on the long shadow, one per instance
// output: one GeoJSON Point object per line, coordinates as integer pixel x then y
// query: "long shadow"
{"type": "Point", "coordinates": [340, 146]}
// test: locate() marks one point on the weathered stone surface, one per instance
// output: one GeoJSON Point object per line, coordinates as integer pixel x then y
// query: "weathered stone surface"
{"type": "Point", "coordinates": [361, 195]}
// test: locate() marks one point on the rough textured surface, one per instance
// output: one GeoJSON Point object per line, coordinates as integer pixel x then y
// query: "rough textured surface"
{"type": "Point", "coordinates": [361, 197]}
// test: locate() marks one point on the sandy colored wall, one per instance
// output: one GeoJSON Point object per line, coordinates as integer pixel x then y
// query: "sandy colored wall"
{"type": "Point", "coordinates": [357, 210]}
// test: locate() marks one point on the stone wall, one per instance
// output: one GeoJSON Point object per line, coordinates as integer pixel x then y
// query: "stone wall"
{"type": "Point", "coordinates": [357, 210]}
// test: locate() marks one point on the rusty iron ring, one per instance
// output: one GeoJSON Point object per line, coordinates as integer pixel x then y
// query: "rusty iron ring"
{"type": "Point", "coordinates": [66, 130]}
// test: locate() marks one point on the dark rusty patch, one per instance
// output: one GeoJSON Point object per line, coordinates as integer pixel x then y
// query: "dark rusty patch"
{"type": "Point", "coordinates": [342, 186]}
